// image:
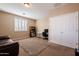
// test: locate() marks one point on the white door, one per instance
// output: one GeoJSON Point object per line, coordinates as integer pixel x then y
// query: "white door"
{"type": "Point", "coordinates": [63, 30]}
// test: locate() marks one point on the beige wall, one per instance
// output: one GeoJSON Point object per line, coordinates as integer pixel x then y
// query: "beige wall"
{"type": "Point", "coordinates": [44, 23]}
{"type": "Point", "coordinates": [7, 26]}
{"type": "Point", "coordinates": [6, 21]}
{"type": "Point", "coordinates": [65, 9]}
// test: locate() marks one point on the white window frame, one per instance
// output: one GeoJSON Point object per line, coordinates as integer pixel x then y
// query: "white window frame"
{"type": "Point", "coordinates": [20, 24]}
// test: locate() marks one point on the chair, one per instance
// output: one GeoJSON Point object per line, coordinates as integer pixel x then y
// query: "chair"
{"type": "Point", "coordinates": [45, 34]}
{"type": "Point", "coordinates": [8, 47]}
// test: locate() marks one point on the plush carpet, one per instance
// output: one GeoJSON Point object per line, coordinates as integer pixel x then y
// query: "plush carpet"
{"type": "Point", "coordinates": [33, 45]}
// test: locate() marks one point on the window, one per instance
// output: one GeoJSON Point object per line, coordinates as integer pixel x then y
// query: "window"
{"type": "Point", "coordinates": [20, 24]}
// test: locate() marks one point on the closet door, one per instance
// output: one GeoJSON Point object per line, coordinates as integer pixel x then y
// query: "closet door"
{"type": "Point", "coordinates": [55, 30]}
{"type": "Point", "coordinates": [71, 30]}
{"type": "Point", "coordinates": [63, 30]}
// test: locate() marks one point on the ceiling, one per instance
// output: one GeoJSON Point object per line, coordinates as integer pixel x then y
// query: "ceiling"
{"type": "Point", "coordinates": [37, 11]}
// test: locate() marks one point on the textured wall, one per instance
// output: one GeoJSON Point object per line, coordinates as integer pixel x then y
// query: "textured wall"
{"type": "Point", "coordinates": [7, 26]}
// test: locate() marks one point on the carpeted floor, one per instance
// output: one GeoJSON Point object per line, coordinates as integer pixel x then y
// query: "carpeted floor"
{"type": "Point", "coordinates": [41, 47]}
